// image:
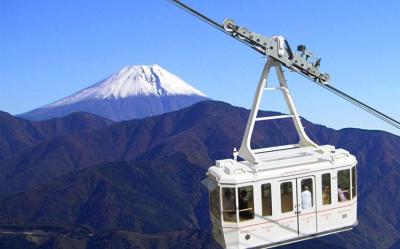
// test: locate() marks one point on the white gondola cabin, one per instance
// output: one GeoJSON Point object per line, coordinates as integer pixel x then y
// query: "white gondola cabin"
{"type": "Point", "coordinates": [283, 194]}
{"type": "Point", "coordinates": [279, 195]}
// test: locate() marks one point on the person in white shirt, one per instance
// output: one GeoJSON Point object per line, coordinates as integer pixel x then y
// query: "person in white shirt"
{"type": "Point", "coordinates": [341, 194]}
{"type": "Point", "coordinates": [306, 201]}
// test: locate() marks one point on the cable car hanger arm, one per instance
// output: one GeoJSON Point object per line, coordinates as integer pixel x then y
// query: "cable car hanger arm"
{"type": "Point", "coordinates": [278, 48]}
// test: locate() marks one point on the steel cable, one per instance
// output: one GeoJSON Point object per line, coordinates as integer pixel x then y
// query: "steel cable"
{"type": "Point", "coordinates": [330, 88]}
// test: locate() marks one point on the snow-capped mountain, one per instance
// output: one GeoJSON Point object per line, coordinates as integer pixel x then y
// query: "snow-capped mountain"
{"type": "Point", "coordinates": [133, 92]}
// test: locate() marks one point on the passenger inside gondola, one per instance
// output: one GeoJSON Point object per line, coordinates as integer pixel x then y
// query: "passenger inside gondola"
{"type": "Point", "coordinates": [246, 203]}
{"type": "Point", "coordinates": [306, 201]}
{"type": "Point", "coordinates": [228, 204]}
{"type": "Point", "coordinates": [326, 189]}
{"type": "Point", "coordinates": [341, 195]}
{"type": "Point", "coordinates": [244, 213]}
{"type": "Point", "coordinates": [326, 196]}
{"type": "Point", "coordinates": [344, 185]}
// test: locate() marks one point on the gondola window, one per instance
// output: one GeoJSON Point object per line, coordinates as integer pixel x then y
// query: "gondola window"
{"type": "Point", "coordinates": [228, 204]}
{"type": "Point", "coordinates": [266, 199]}
{"type": "Point", "coordinates": [286, 197]}
{"type": "Point", "coordinates": [215, 203]}
{"type": "Point", "coordinates": [326, 189]}
{"type": "Point", "coordinates": [354, 181]}
{"type": "Point", "coordinates": [246, 203]}
{"type": "Point", "coordinates": [344, 185]}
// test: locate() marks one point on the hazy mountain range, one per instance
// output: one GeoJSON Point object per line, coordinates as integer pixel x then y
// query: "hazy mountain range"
{"type": "Point", "coordinates": [83, 181]}
{"type": "Point", "coordinates": [133, 92]}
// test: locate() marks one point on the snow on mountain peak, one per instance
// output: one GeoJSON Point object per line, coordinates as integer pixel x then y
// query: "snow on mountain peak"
{"type": "Point", "coordinates": [139, 80]}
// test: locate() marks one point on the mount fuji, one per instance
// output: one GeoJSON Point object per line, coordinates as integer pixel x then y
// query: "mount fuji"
{"type": "Point", "coordinates": [133, 92]}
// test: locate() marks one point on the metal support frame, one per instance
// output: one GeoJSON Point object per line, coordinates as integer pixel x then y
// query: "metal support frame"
{"type": "Point", "coordinates": [277, 47]}
{"type": "Point", "coordinates": [245, 150]}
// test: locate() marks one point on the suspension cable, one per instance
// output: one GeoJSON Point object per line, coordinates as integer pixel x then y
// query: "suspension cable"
{"type": "Point", "coordinates": [330, 88]}
{"type": "Point", "coordinates": [361, 105]}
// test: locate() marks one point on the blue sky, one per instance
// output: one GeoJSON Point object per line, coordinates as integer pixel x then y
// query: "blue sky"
{"type": "Point", "coordinates": [50, 49]}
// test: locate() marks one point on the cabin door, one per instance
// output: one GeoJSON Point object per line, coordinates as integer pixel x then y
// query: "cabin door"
{"type": "Point", "coordinates": [286, 219]}
{"type": "Point", "coordinates": [306, 206]}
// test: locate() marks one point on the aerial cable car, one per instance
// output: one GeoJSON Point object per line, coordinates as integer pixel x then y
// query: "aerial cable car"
{"type": "Point", "coordinates": [267, 197]}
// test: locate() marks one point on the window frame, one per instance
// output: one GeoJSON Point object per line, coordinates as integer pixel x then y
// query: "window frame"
{"type": "Point", "coordinates": [234, 210]}
{"type": "Point", "coordinates": [218, 203]}
{"type": "Point", "coordinates": [251, 209]}
{"type": "Point", "coordinates": [348, 190]}
{"type": "Point", "coordinates": [266, 200]}
{"type": "Point", "coordinates": [353, 182]}
{"type": "Point", "coordinates": [327, 185]}
{"type": "Point", "coordinates": [280, 193]}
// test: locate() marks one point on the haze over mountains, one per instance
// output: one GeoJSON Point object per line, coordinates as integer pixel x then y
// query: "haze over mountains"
{"type": "Point", "coordinates": [136, 184]}
{"type": "Point", "coordinates": [133, 92]}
